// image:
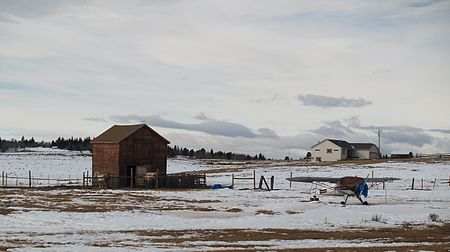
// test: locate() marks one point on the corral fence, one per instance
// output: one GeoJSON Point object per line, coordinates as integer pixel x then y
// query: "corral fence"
{"type": "Point", "coordinates": [8, 180]}
{"type": "Point", "coordinates": [169, 181]}
{"type": "Point", "coordinates": [183, 180]}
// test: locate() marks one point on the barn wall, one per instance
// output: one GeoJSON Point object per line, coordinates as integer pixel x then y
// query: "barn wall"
{"type": "Point", "coordinates": [105, 159]}
{"type": "Point", "coordinates": [144, 147]}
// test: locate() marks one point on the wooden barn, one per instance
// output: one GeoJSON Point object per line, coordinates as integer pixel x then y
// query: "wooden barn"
{"type": "Point", "coordinates": [129, 155]}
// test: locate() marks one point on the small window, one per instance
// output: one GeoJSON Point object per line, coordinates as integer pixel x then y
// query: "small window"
{"type": "Point", "coordinates": [329, 150]}
{"type": "Point", "coordinates": [336, 150]}
{"type": "Point", "coordinates": [317, 150]}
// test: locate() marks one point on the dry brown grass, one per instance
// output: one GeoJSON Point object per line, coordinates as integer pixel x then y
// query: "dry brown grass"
{"type": "Point", "coordinates": [437, 237]}
{"type": "Point", "coordinates": [90, 201]}
{"type": "Point", "coordinates": [234, 210]}
{"type": "Point", "coordinates": [262, 211]}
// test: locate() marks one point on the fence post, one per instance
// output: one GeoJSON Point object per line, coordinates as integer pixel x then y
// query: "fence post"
{"type": "Point", "coordinates": [434, 183]}
{"type": "Point", "coordinates": [412, 185]}
{"type": "Point", "coordinates": [254, 179]}
{"type": "Point", "coordinates": [232, 180]}
{"type": "Point", "coordinates": [272, 180]}
{"type": "Point", "coordinates": [83, 181]}
{"type": "Point", "coordinates": [372, 177]}
{"type": "Point", "coordinates": [29, 179]}
{"type": "Point", "coordinates": [131, 179]}
{"type": "Point", "coordinates": [290, 182]}
{"type": "Point", "coordinates": [422, 184]}
{"type": "Point", "coordinates": [6, 179]}
{"type": "Point", "coordinates": [3, 178]}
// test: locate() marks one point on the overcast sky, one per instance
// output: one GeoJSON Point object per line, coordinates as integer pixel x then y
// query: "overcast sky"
{"type": "Point", "coordinates": [243, 76]}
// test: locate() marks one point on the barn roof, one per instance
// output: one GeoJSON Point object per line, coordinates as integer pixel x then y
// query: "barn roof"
{"type": "Point", "coordinates": [118, 133]}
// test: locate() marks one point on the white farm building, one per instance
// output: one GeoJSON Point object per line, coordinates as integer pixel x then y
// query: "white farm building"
{"type": "Point", "coordinates": [334, 150]}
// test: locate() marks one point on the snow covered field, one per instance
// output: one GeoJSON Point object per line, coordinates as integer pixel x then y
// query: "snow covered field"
{"type": "Point", "coordinates": [180, 220]}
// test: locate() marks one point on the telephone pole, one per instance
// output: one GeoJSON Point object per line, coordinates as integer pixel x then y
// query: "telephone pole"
{"type": "Point", "coordinates": [379, 142]}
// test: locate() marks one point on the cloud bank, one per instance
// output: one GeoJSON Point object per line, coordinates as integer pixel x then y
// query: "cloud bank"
{"type": "Point", "coordinates": [327, 101]}
{"type": "Point", "coordinates": [207, 125]}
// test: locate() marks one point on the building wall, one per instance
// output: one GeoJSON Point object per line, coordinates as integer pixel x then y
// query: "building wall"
{"type": "Point", "coordinates": [143, 147]}
{"type": "Point", "coordinates": [105, 159]}
{"type": "Point", "coordinates": [371, 153]}
{"type": "Point", "coordinates": [322, 152]}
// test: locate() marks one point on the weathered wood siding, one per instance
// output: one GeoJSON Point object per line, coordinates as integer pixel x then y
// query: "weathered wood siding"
{"type": "Point", "coordinates": [143, 147]}
{"type": "Point", "coordinates": [105, 159]}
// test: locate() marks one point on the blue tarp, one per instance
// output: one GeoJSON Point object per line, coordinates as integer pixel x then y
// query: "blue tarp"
{"type": "Point", "coordinates": [362, 189]}
{"type": "Point", "coordinates": [220, 186]}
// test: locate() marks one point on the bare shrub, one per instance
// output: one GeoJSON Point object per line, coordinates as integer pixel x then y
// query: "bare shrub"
{"type": "Point", "coordinates": [434, 217]}
{"type": "Point", "coordinates": [377, 218]}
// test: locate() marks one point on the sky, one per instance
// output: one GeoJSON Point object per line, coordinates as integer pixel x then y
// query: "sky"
{"type": "Point", "coordinates": [271, 77]}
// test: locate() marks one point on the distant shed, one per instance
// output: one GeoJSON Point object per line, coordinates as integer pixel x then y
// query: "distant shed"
{"type": "Point", "coordinates": [125, 155]}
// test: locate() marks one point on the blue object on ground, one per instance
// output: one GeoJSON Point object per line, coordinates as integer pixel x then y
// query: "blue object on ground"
{"type": "Point", "coordinates": [216, 186]}
{"type": "Point", "coordinates": [220, 186]}
{"type": "Point", "coordinates": [362, 189]}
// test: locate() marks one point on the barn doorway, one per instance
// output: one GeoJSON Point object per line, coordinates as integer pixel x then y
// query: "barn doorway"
{"type": "Point", "coordinates": [131, 175]}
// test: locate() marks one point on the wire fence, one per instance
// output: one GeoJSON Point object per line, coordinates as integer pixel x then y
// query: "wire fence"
{"type": "Point", "coordinates": [8, 180]}
{"type": "Point", "coordinates": [107, 182]}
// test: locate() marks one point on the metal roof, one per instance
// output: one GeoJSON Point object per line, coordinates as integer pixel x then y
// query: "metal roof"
{"type": "Point", "coordinates": [341, 143]}
{"type": "Point", "coordinates": [350, 146]}
{"type": "Point", "coordinates": [118, 133]}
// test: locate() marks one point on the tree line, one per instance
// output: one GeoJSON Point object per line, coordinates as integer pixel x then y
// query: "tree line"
{"type": "Point", "coordinates": [203, 154]}
{"type": "Point", "coordinates": [84, 144]}
{"type": "Point", "coordinates": [75, 144]}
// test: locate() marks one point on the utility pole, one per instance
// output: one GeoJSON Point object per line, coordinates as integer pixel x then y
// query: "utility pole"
{"type": "Point", "coordinates": [379, 142]}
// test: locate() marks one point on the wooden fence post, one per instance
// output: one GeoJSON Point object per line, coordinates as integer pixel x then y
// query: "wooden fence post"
{"type": "Point", "coordinates": [254, 179]}
{"type": "Point", "coordinates": [6, 179]}
{"type": "Point", "coordinates": [412, 185]}
{"type": "Point", "coordinates": [422, 184]}
{"type": "Point", "coordinates": [29, 179]}
{"type": "Point", "coordinates": [83, 181]}
{"type": "Point", "coordinates": [272, 180]}
{"type": "Point", "coordinates": [131, 179]}
{"type": "Point", "coordinates": [290, 182]}
{"type": "Point", "coordinates": [3, 178]}
{"type": "Point", "coordinates": [232, 180]}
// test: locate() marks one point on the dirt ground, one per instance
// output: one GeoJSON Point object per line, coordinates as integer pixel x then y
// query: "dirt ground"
{"type": "Point", "coordinates": [435, 238]}
{"type": "Point", "coordinates": [430, 238]}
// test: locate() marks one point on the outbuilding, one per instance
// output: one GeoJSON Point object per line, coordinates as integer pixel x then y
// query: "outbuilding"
{"type": "Point", "coordinates": [127, 155]}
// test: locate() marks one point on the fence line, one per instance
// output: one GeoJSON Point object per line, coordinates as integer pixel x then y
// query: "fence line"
{"type": "Point", "coordinates": [100, 182]}
{"type": "Point", "coordinates": [31, 181]}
